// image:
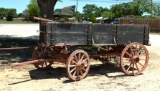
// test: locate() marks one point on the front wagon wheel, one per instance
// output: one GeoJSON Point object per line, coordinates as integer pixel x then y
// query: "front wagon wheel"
{"type": "Point", "coordinates": [134, 59]}
{"type": "Point", "coordinates": [78, 65]}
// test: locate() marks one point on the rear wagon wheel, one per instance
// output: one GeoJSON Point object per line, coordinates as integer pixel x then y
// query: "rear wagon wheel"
{"type": "Point", "coordinates": [134, 59]}
{"type": "Point", "coordinates": [40, 53]}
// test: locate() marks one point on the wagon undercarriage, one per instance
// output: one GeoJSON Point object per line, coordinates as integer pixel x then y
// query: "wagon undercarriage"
{"type": "Point", "coordinates": [132, 58]}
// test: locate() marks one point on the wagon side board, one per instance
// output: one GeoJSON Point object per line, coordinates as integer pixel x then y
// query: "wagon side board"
{"type": "Point", "coordinates": [59, 34]}
{"type": "Point", "coordinates": [130, 33]}
{"type": "Point", "coordinates": [71, 34]}
{"type": "Point", "coordinates": [103, 34]}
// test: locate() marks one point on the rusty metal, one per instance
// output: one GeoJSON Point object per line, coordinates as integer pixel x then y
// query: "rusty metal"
{"type": "Point", "coordinates": [42, 19]}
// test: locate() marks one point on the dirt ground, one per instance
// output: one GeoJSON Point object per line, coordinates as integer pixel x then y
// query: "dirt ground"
{"type": "Point", "coordinates": [100, 77]}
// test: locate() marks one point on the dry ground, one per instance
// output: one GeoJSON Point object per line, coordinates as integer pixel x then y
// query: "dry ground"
{"type": "Point", "coordinates": [100, 77]}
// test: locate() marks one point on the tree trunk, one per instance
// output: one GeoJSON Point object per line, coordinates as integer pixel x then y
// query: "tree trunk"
{"type": "Point", "coordinates": [46, 11]}
{"type": "Point", "coordinates": [46, 8]}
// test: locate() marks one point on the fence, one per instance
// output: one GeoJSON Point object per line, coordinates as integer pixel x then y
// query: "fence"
{"type": "Point", "coordinates": [154, 24]}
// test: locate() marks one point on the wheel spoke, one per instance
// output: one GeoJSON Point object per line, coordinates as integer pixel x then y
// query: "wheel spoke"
{"type": "Point", "coordinates": [72, 65]}
{"type": "Point", "coordinates": [78, 72]}
{"type": "Point", "coordinates": [75, 57]}
{"type": "Point", "coordinates": [131, 50]}
{"type": "Point", "coordinates": [133, 68]}
{"type": "Point", "coordinates": [128, 54]}
{"type": "Point", "coordinates": [129, 66]}
{"type": "Point", "coordinates": [137, 49]}
{"type": "Point", "coordinates": [74, 72]}
{"type": "Point", "coordinates": [137, 66]}
{"type": "Point", "coordinates": [84, 60]}
{"type": "Point", "coordinates": [81, 58]}
{"type": "Point", "coordinates": [81, 71]}
{"type": "Point", "coordinates": [73, 69]}
{"type": "Point", "coordinates": [141, 64]}
{"type": "Point", "coordinates": [74, 62]}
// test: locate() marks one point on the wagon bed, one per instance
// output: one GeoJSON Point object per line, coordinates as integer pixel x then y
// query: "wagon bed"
{"type": "Point", "coordinates": [95, 34]}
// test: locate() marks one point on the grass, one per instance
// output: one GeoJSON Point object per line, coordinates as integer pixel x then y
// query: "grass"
{"type": "Point", "coordinates": [16, 22]}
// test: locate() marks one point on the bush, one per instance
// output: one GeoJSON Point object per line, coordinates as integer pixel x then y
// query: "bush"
{"type": "Point", "coordinates": [10, 16]}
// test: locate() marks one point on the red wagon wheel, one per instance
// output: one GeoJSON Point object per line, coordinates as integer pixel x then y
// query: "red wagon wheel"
{"type": "Point", "coordinates": [134, 59]}
{"type": "Point", "coordinates": [40, 53]}
{"type": "Point", "coordinates": [78, 65]}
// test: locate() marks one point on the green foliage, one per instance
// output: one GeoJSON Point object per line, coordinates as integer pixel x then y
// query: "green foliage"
{"type": "Point", "coordinates": [93, 18]}
{"type": "Point", "coordinates": [10, 16]}
{"type": "Point", "coordinates": [136, 8]}
{"type": "Point", "coordinates": [89, 9]}
{"type": "Point", "coordinates": [8, 13]}
{"type": "Point", "coordinates": [117, 10]}
{"type": "Point", "coordinates": [33, 9]}
{"type": "Point", "coordinates": [2, 13]}
{"type": "Point", "coordinates": [78, 16]}
{"type": "Point", "coordinates": [26, 15]}
{"type": "Point", "coordinates": [20, 15]}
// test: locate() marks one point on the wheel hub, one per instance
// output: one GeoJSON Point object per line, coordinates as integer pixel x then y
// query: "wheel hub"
{"type": "Point", "coordinates": [79, 64]}
{"type": "Point", "coordinates": [135, 59]}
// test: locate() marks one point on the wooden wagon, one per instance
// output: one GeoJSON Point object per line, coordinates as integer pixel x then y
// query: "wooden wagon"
{"type": "Point", "coordinates": [74, 45]}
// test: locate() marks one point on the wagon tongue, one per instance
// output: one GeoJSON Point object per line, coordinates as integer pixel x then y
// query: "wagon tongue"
{"type": "Point", "coordinates": [24, 63]}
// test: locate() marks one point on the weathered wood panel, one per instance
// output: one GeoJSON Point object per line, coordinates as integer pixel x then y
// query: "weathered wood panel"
{"type": "Point", "coordinates": [72, 34]}
{"type": "Point", "coordinates": [130, 33]}
{"type": "Point", "coordinates": [103, 34]}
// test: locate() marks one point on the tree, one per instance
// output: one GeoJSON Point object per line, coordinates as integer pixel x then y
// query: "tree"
{"type": "Point", "coordinates": [11, 13]}
{"type": "Point", "coordinates": [78, 16]}
{"type": "Point", "coordinates": [123, 9]}
{"type": "Point", "coordinates": [98, 11]}
{"type": "Point", "coordinates": [106, 13]}
{"type": "Point", "coordinates": [46, 8]}
{"type": "Point", "coordinates": [117, 10]}
{"type": "Point", "coordinates": [26, 15]}
{"type": "Point", "coordinates": [93, 18]}
{"type": "Point", "coordinates": [157, 10]}
{"type": "Point", "coordinates": [5, 12]}
{"type": "Point", "coordinates": [33, 8]}
{"type": "Point", "coordinates": [89, 9]}
{"type": "Point", "coordinates": [20, 15]}
{"type": "Point", "coordinates": [144, 5]}
{"type": "Point", "coordinates": [2, 13]}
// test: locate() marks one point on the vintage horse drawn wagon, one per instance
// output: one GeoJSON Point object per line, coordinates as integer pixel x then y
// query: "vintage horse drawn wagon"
{"type": "Point", "coordinates": [74, 44]}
